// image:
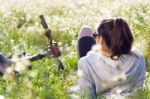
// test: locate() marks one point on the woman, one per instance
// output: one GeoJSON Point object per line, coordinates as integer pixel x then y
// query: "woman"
{"type": "Point", "coordinates": [112, 66]}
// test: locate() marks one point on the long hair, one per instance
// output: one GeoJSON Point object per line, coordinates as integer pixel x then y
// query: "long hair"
{"type": "Point", "coordinates": [117, 36]}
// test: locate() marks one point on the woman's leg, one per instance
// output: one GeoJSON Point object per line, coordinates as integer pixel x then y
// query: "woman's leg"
{"type": "Point", "coordinates": [85, 40]}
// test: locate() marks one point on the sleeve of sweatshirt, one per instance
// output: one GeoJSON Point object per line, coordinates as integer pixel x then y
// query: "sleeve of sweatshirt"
{"type": "Point", "coordinates": [86, 87]}
{"type": "Point", "coordinates": [141, 77]}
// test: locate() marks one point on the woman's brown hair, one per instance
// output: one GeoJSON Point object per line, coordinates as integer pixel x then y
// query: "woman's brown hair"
{"type": "Point", "coordinates": [117, 36]}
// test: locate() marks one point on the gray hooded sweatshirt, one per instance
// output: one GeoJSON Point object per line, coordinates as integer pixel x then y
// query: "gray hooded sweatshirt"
{"type": "Point", "coordinates": [101, 74]}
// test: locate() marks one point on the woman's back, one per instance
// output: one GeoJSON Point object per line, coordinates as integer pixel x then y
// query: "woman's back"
{"type": "Point", "coordinates": [101, 74]}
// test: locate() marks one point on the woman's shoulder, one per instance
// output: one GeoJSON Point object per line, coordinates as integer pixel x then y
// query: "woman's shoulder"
{"type": "Point", "coordinates": [90, 54]}
{"type": "Point", "coordinates": [91, 59]}
{"type": "Point", "coordinates": [137, 52]}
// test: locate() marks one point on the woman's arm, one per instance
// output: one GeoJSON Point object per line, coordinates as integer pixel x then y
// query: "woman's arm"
{"type": "Point", "coordinates": [87, 89]}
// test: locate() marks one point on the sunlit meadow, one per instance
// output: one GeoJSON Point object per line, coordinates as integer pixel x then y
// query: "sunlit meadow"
{"type": "Point", "coordinates": [20, 30]}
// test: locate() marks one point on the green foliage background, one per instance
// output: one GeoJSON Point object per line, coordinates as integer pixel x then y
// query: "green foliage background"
{"type": "Point", "coordinates": [64, 17]}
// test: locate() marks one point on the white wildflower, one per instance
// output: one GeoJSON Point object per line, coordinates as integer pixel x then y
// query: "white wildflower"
{"type": "Point", "coordinates": [118, 90]}
{"type": "Point", "coordinates": [2, 97]}
{"type": "Point", "coordinates": [9, 89]}
{"type": "Point", "coordinates": [33, 74]}
{"type": "Point", "coordinates": [29, 84]}
{"type": "Point", "coordinates": [21, 65]}
{"type": "Point", "coordinates": [9, 70]}
{"type": "Point", "coordinates": [114, 96]}
{"type": "Point", "coordinates": [104, 85]}
{"type": "Point", "coordinates": [74, 42]}
{"type": "Point", "coordinates": [80, 72]}
{"type": "Point", "coordinates": [74, 96]}
{"type": "Point", "coordinates": [120, 77]}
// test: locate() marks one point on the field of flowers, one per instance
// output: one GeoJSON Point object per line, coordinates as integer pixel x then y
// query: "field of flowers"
{"type": "Point", "coordinates": [20, 30]}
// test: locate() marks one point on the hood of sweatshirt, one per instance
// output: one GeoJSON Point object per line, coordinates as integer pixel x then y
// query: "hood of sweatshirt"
{"type": "Point", "coordinates": [125, 74]}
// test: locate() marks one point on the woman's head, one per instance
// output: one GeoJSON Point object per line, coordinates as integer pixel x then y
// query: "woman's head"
{"type": "Point", "coordinates": [116, 35]}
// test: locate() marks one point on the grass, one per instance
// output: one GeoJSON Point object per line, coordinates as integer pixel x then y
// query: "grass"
{"type": "Point", "coordinates": [20, 30]}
